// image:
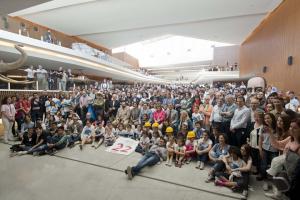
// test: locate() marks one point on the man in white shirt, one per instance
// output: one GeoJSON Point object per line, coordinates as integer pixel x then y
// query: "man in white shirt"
{"type": "Point", "coordinates": [216, 118]}
{"type": "Point", "coordinates": [30, 76]}
{"type": "Point", "coordinates": [239, 122]}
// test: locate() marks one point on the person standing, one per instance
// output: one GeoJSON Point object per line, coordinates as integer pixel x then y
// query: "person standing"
{"type": "Point", "coordinates": [8, 118]}
{"type": "Point", "coordinates": [41, 75]}
{"type": "Point", "coordinates": [239, 122]}
{"type": "Point", "coordinates": [30, 76]}
{"type": "Point", "coordinates": [227, 115]}
{"type": "Point", "coordinates": [59, 75]}
{"type": "Point", "coordinates": [64, 81]}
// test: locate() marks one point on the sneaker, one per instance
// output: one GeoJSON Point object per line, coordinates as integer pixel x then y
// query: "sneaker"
{"type": "Point", "coordinates": [12, 154]}
{"type": "Point", "coordinates": [20, 153]}
{"type": "Point", "coordinates": [273, 195]}
{"type": "Point", "coordinates": [244, 194]}
{"type": "Point", "coordinates": [98, 145]}
{"type": "Point", "coordinates": [93, 145]}
{"type": "Point", "coordinates": [265, 186]}
{"type": "Point", "coordinates": [198, 165]}
{"type": "Point", "coordinates": [209, 179]}
{"type": "Point", "coordinates": [80, 146]}
{"type": "Point", "coordinates": [201, 165]}
{"type": "Point", "coordinates": [129, 173]}
{"type": "Point", "coordinates": [281, 183]}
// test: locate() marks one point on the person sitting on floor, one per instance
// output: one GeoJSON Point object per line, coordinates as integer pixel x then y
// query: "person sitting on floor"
{"type": "Point", "coordinates": [98, 135]}
{"type": "Point", "coordinates": [216, 155]}
{"type": "Point", "coordinates": [144, 143]}
{"type": "Point", "coordinates": [28, 141]}
{"type": "Point", "coordinates": [87, 134]}
{"type": "Point", "coordinates": [41, 139]}
{"type": "Point", "coordinates": [156, 154]}
{"type": "Point", "coordinates": [203, 146]}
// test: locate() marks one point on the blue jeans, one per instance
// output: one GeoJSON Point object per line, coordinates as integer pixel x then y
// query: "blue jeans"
{"type": "Point", "coordinates": [149, 159]}
{"type": "Point", "coordinates": [41, 148]}
{"type": "Point", "coordinates": [203, 157]}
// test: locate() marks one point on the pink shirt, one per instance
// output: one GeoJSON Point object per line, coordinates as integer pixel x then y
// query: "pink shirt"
{"type": "Point", "coordinates": [8, 110]}
{"type": "Point", "coordinates": [159, 116]}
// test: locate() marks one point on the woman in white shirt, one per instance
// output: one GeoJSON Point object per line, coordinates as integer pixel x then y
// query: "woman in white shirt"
{"type": "Point", "coordinates": [8, 118]}
{"type": "Point", "coordinates": [253, 141]}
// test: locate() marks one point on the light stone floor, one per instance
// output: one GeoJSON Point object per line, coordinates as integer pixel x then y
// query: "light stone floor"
{"type": "Point", "coordinates": [96, 174]}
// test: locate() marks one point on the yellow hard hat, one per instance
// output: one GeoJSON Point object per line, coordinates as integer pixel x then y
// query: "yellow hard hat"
{"type": "Point", "coordinates": [169, 130]}
{"type": "Point", "coordinates": [191, 134]}
{"type": "Point", "coordinates": [147, 124]}
{"type": "Point", "coordinates": [155, 125]}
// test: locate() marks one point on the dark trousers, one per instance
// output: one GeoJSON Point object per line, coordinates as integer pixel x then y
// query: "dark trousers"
{"type": "Point", "coordinates": [239, 137]}
{"type": "Point", "coordinates": [19, 121]}
{"type": "Point", "coordinates": [35, 114]}
{"type": "Point", "coordinates": [255, 158]}
{"type": "Point", "coordinates": [225, 128]}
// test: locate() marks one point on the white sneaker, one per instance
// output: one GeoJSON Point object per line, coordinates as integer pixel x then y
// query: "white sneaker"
{"type": "Point", "coordinates": [201, 165]}
{"type": "Point", "coordinates": [244, 194]}
{"type": "Point", "coordinates": [273, 195]}
{"type": "Point", "coordinates": [209, 179]}
{"type": "Point", "coordinates": [20, 153]}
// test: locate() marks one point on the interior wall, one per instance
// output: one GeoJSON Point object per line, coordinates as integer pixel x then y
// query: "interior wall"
{"type": "Point", "coordinates": [36, 31]}
{"type": "Point", "coordinates": [127, 58]}
{"type": "Point", "coordinates": [270, 45]}
{"type": "Point", "coordinates": [227, 55]}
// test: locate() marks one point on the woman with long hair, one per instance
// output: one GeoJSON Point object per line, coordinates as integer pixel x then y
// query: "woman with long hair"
{"type": "Point", "coordinates": [8, 118]}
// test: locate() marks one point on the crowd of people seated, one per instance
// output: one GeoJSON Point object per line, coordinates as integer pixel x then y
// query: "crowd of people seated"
{"type": "Point", "coordinates": [223, 129]}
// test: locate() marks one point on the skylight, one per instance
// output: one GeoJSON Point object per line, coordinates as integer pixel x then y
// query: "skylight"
{"type": "Point", "coordinates": [170, 49]}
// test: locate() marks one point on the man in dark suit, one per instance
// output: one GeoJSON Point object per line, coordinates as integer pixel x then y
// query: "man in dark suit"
{"type": "Point", "coordinates": [113, 106]}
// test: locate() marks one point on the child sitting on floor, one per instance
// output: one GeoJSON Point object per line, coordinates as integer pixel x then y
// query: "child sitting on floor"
{"type": "Point", "coordinates": [179, 152]}
{"type": "Point", "coordinates": [171, 145]}
{"type": "Point", "coordinates": [98, 135]}
{"type": "Point", "coordinates": [144, 143]}
{"type": "Point", "coordinates": [190, 146]}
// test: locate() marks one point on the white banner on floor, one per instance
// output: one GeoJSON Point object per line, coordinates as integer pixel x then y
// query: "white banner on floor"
{"type": "Point", "coordinates": [123, 146]}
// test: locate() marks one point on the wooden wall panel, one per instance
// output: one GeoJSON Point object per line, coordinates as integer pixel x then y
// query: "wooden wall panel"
{"type": "Point", "coordinates": [270, 44]}
{"type": "Point", "coordinates": [66, 40]}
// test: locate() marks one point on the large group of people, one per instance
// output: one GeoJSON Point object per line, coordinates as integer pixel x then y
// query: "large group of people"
{"type": "Point", "coordinates": [231, 132]}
